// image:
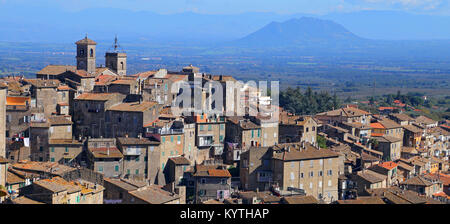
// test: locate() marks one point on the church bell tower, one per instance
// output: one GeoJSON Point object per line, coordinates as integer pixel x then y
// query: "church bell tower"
{"type": "Point", "coordinates": [86, 55]}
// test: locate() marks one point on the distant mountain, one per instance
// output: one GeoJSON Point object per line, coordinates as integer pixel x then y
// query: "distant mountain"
{"type": "Point", "coordinates": [303, 32]}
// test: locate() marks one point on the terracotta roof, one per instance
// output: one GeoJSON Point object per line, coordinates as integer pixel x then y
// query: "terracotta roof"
{"type": "Point", "coordinates": [104, 79]}
{"type": "Point", "coordinates": [363, 201]}
{"type": "Point", "coordinates": [124, 82]}
{"type": "Point", "coordinates": [417, 181]}
{"type": "Point", "coordinates": [388, 139]}
{"type": "Point", "coordinates": [180, 160]}
{"type": "Point", "coordinates": [17, 101]}
{"type": "Point", "coordinates": [346, 112]}
{"type": "Point", "coordinates": [388, 165]}
{"type": "Point", "coordinates": [128, 185]}
{"type": "Point", "coordinates": [405, 166]}
{"type": "Point", "coordinates": [25, 201]}
{"type": "Point", "coordinates": [65, 88]}
{"type": "Point", "coordinates": [50, 185]}
{"type": "Point", "coordinates": [307, 199]}
{"type": "Point", "coordinates": [389, 124]}
{"type": "Point", "coordinates": [134, 107]}
{"type": "Point", "coordinates": [40, 83]}
{"type": "Point", "coordinates": [154, 194]}
{"type": "Point", "coordinates": [12, 178]}
{"type": "Point", "coordinates": [371, 176]}
{"type": "Point", "coordinates": [56, 69]}
{"type": "Point", "coordinates": [86, 40]}
{"type": "Point", "coordinates": [296, 153]}
{"type": "Point", "coordinates": [402, 117]}
{"type": "Point", "coordinates": [424, 120]}
{"type": "Point", "coordinates": [96, 96]}
{"type": "Point", "coordinates": [376, 125]}
{"type": "Point", "coordinates": [45, 167]}
{"type": "Point", "coordinates": [103, 152]}
{"type": "Point", "coordinates": [219, 173]}
{"type": "Point", "coordinates": [412, 128]}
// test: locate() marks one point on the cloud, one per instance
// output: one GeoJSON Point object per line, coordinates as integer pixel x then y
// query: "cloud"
{"type": "Point", "coordinates": [410, 4]}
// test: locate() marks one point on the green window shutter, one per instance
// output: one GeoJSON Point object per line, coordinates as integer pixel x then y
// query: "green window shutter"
{"type": "Point", "coordinates": [137, 159]}
{"type": "Point", "coordinates": [67, 149]}
{"type": "Point", "coordinates": [163, 166]}
{"type": "Point", "coordinates": [209, 127]}
{"type": "Point", "coordinates": [53, 149]}
{"type": "Point", "coordinates": [137, 171]}
{"type": "Point", "coordinates": [128, 171]}
{"type": "Point", "coordinates": [253, 133]}
{"type": "Point", "coordinates": [163, 139]}
{"type": "Point", "coordinates": [116, 168]}
{"type": "Point", "coordinates": [52, 159]}
{"type": "Point", "coordinates": [100, 169]}
{"type": "Point", "coordinates": [179, 138]}
{"type": "Point", "coordinates": [259, 132]}
{"type": "Point", "coordinates": [162, 153]}
{"type": "Point", "coordinates": [171, 138]}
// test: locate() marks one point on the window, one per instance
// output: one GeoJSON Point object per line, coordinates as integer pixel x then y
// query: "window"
{"type": "Point", "coordinates": [92, 52]}
{"type": "Point", "coordinates": [52, 159]}
{"type": "Point", "coordinates": [128, 171]}
{"type": "Point", "coordinates": [41, 148]}
{"type": "Point", "coordinates": [224, 181]}
{"type": "Point", "coordinates": [137, 159]}
{"type": "Point", "coordinates": [301, 163]}
{"type": "Point", "coordinates": [209, 127]}
{"type": "Point", "coordinates": [292, 176]}
{"type": "Point", "coordinates": [329, 183]}
{"type": "Point", "coordinates": [311, 163]}
{"type": "Point", "coordinates": [253, 133]}
{"type": "Point", "coordinates": [100, 169]}
{"type": "Point", "coordinates": [321, 162]}
{"type": "Point", "coordinates": [116, 168]}
{"type": "Point", "coordinates": [301, 175]}
{"type": "Point", "coordinates": [330, 172]}
{"type": "Point", "coordinates": [301, 186]}
{"type": "Point", "coordinates": [171, 138]}
{"type": "Point", "coordinates": [310, 185]}
{"type": "Point", "coordinates": [201, 128]}
{"type": "Point", "coordinates": [163, 139]}
{"type": "Point", "coordinates": [203, 181]}
{"type": "Point", "coordinates": [67, 149]}
{"type": "Point", "coordinates": [52, 149]}
{"type": "Point", "coordinates": [259, 133]}
{"type": "Point", "coordinates": [320, 183]}
{"type": "Point", "coordinates": [222, 126]}
{"type": "Point", "coordinates": [311, 174]}
{"type": "Point", "coordinates": [137, 172]}
{"type": "Point", "coordinates": [320, 173]}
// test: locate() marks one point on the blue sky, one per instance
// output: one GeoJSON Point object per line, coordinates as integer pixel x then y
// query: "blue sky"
{"type": "Point", "coordinates": [434, 7]}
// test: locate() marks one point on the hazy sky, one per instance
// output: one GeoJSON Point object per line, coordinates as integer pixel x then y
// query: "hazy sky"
{"type": "Point", "coordinates": [438, 7]}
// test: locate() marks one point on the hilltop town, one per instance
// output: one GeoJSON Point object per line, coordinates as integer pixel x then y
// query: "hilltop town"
{"type": "Point", "coordinates": [84, 134]}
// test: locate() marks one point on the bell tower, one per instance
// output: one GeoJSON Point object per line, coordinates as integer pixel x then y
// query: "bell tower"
{"type": "Point", "coordinates": [116, 60]}
{"type": "Point", "coordinates": [86, 55]}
